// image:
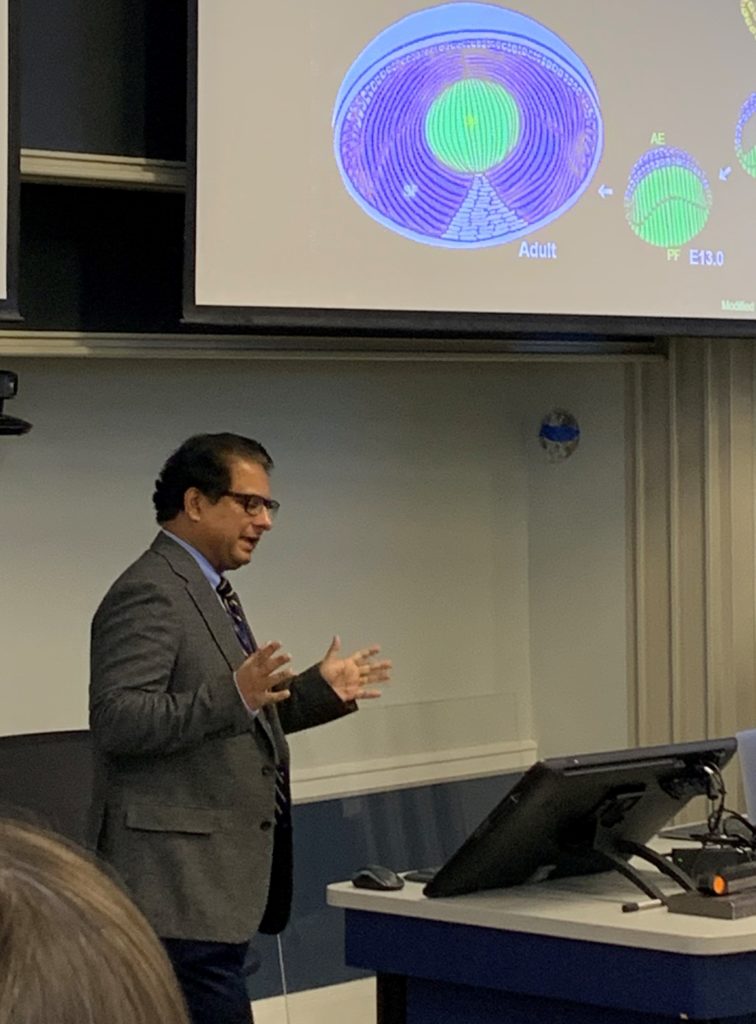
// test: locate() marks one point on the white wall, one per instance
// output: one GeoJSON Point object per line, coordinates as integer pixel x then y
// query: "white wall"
{"type": "Point", "coordinates": [417, 510]}
{"type": "Point", "coordinates": [576, 535]}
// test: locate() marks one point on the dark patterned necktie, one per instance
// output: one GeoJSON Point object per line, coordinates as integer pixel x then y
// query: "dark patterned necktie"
{"type": "Point", "coordinates": [232, 604]}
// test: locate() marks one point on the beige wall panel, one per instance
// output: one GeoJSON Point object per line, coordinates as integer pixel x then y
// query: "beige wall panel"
{"type": "Point", "coordinates": [691, 544]}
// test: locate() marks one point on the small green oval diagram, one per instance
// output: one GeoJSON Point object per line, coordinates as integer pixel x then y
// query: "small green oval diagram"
{"type": "Point", "coordinates": [670, 206]}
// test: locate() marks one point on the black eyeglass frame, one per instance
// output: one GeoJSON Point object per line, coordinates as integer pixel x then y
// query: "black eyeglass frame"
{"type": "Point", "coordinates": [253, 504]}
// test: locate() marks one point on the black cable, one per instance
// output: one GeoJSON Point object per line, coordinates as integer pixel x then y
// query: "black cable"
{"type": "Point", "coordinates": [716, 821]}
{"type": "Point", "coordinates": [735, 815]}
{"type": "Point", "coordinates": [716, 792]}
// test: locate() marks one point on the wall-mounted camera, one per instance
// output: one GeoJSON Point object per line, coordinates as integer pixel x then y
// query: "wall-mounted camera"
{"type": "Point", "coordinates": [8, 389]}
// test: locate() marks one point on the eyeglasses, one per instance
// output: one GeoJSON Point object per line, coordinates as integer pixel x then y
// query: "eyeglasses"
{"type": "Point", "coordinates": [253, 504]}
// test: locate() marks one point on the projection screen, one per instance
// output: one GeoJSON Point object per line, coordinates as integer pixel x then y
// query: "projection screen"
{"type": "Point", "coordinates": [385, 164]}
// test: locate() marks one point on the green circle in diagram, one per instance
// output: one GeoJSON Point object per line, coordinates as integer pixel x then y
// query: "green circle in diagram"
{"type": "Point", "coordinates": [668, 199]}
{"type": "Point", "coordinates": [748, 161]}
{"type": "Point", "coordinates": [473, 125]}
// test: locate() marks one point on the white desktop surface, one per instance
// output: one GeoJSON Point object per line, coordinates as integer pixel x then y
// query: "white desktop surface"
{"type": "Point", "coordinates": [587, 909]}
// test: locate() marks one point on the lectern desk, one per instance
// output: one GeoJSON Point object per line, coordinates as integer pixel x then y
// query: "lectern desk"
{"type": "Point", "coordinates": [557, 952]}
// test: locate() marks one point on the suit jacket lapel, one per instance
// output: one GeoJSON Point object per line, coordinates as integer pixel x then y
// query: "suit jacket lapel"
{"type": "Point", "coordinates": [210, 608]}
{"type": "Point", "coordinates": [201, 593]}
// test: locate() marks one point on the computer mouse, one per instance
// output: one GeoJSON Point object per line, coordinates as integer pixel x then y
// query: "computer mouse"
{"type": "Point", "coordinates": [374, 876]}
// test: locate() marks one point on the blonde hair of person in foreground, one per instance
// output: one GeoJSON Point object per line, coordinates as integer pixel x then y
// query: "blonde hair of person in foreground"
{"type": "Point", "coordinates": [73, 947]}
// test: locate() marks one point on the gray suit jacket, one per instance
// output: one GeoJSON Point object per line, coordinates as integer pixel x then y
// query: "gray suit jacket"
{"type": "Point", "coordinates": [183, 804]}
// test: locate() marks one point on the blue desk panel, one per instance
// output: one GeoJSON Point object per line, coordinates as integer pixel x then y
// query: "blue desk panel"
{"type": "Point", "coordinates": [484, 975]}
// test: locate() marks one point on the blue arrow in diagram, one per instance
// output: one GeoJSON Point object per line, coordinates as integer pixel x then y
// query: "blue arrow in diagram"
{"type": "Point", "coordinates": [724, 173]}
{"type": "Point", "coordinates": [605, 191]}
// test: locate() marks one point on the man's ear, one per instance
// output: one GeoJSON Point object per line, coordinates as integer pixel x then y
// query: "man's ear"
{"type": "Point", "coordinates": [193, 500]}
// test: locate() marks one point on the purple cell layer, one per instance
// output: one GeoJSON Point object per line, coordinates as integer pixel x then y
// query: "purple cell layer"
{"type": "Point", "coordinates": [385, 156]}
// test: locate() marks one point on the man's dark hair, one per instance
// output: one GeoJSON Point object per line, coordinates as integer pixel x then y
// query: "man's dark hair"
{"type": "Point", "coordinates": [203, 461]}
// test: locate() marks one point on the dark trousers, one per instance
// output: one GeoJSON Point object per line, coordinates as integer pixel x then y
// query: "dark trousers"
{"type": "Point", "coordinates": [211, 976]}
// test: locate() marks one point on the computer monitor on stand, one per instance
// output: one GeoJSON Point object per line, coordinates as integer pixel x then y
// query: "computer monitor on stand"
{"type": "Point", "coordinates": [585, 814]}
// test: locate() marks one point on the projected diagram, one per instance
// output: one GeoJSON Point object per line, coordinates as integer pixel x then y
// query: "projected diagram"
{"type": "Point", "coordinates": [745, 136]}
{"type": "Point", "coordinates": [668, 199]}
{"type": "Point", "coordinates": [748, 10]}
{"type": "Point", "coordinates": [467, 125]}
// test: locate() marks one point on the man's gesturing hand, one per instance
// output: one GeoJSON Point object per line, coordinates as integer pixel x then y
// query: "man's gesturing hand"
{"type": "Point", "coordinates": [354, 677]}
{"type": "Point", "coordinates": [261, 679]}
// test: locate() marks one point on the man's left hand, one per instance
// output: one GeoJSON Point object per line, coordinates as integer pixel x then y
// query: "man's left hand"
{"type": "Point", "coordinates": [354, 677]}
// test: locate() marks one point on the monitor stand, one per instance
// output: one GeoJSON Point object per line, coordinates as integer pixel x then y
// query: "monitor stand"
{"type": "Point", "coordinates": [595, 841]}
{"type": "Point", "coordinates": [667, 867]}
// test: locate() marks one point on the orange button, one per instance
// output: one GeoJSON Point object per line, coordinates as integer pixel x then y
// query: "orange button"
{"type": "Point", "coordinates": [719, 885]}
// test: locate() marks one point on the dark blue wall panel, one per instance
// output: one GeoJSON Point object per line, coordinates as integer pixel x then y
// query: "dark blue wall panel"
{"type": "Point", "coordinates": [403, 829]}
{"type": "Point", "coordinates": [46, 778]}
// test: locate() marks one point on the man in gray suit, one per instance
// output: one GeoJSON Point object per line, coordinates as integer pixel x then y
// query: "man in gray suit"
{"type": "Point", "coordinates": [188, 717]}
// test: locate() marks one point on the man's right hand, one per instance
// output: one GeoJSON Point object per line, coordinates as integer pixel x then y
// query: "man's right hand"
{"type": "Point", "coordinates": [262, 679]}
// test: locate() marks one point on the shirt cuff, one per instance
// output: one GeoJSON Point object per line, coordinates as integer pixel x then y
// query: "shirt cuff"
{"type": "Point", "coordinates": [252, 712]}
